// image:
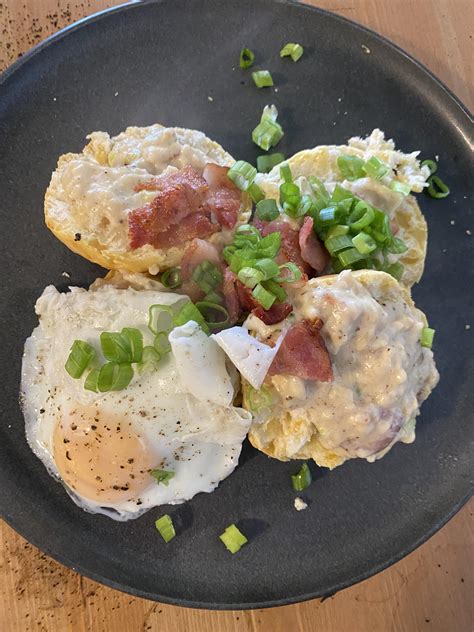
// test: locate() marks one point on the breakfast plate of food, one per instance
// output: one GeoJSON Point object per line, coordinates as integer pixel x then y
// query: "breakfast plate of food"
{"type": "Point", "coordinates": [236, 301]}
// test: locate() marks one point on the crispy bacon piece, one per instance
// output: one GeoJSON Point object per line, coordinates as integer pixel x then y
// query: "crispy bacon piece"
{"type": "Point", "coordinates": [186, 205]}
{"type": "Point", "coordinates": [312, 250]}
{"type": "Point", "coordinates": [303, 353]}
{"type": "Point", "coordinates": [232, 302]}
{"type": "Point", "coordinates": [276, 313]}
{"type": "Point", "coordinates": [290, 247]}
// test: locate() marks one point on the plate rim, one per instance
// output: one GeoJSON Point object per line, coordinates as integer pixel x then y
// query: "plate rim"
{"type": "Point", "coordinates": [220, 606]}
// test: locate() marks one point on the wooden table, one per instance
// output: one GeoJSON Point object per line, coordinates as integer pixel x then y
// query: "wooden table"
{"type": "Point", "coordinates": [431, 589]}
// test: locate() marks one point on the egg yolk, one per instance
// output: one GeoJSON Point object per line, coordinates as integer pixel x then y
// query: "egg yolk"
{"type": "Point", "coordinates": [100, 456]}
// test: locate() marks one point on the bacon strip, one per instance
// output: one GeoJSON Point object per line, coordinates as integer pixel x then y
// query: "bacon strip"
{"type": "Point", "coordinates": [290, 247]}
{"type": "Point", "coordinates": [312, 250]}
{"type": "Point", "coordinates": [232, 302]}
{"type": "Point", "coordinates": [186, 205]}
{"type": "Point", "coordinates": [303, 353]}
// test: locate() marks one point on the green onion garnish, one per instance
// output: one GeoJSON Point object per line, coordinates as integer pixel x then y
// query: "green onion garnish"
{"type": "Point", "coordinates": [233, 538]}
{"type": "Point", "coordinates": [293, 275]}
{"type": "Point", "coordinates": [395, 269]}
{"type": "Point", "coordinates": [267, 210]}
{"type": "Point", "coordinates": [269, 245]}
{"type": "Point", "coordinates": [266, 163]}
{"type": "Point", "coordinates": [115, 347]}
{"type": "Point", "coordinates": [114, 376]}
{"type": "Point", "coordinates": [163, 476]}
{"type": "Point", "coordinates": [161, 344]}
{"type": "Point", "coordinates": [215, 315]}
{"type": "Point", "coordinates": [256, 193]}
{"type": "Point", "coordinates": [246, 58]}
{"type": "Point", "coordinates": [400, 187]}
{"type": "Point", "coordinates": [188, 312]}
{"type": "Point", "coordinates": [268, 132]}
{"type": "Point", "coordinates": [349, 257]}
{"type": "Point", "coordinates": [275, 289]}
{"type": "Point", "coordinates": [263, 296]}
{"type": "Point", "coordinates": [172, 278]}
{"type": "Point", "coordinates": [361, 216]}
{"type": "Point", "coordinates": [397, 246]}
{"type": "Point", "coordinates": [294, 51]}
{"type": "Point", "coordinates": [364, 243]}
{"type": "Point", "coordinates": [134, 338]}
{"type": "Point", "coordinates": [91, 383]}
{"type": "Point", "coordinates": [426, 337]}
{"type": "Point", "coordinates": [375, 168]}
{"type": "Point", "coordinates": [262, 78]}
{"type": "Point", "coordinates": [302, 479]}
{"type": "Point", "coordinates": [160, 318]}
{"type": "Point", "coordinates": [285, 172]}
{"type": "Point", "coordinates": [268, 268]}
{"type": "Point", "coordinates": [242, 174]}
{"type": "Point", "coordinates": [207, 276]}
{"type": "Point", "coordinates": [250, 276]}
{"type": "Point", "coordinates": [290, 198]}
{"type": "Point", "coordinates": [80, 356]}
{"type": "Point", "coordinates": [165, 527]}
{"type": "Point", "coordinates": [150, 360]}
{"type": "Point", "coordinates": [431, 164]}
{"type": "Point", "coordinates": [337, 243]}
{"type": "Point", "coordinates": [351, 167]}
{"type": "Point", "coordinates": [340, 194]}
{"type": "Point", "coordinates": [328, 216]}
{"type": "Point", "coordinates": [437, 188]}
{"type": "Point", "coordinates": [259, 400]}
{"type": "Point", "coordinates": [338, 229]}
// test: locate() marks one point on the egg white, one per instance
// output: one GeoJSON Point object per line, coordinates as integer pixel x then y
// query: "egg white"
{"type": "Point", "coordinates": [182, 412]}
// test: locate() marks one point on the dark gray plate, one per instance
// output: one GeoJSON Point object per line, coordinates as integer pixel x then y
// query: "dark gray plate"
{"type": "Point", "coordinates": [159, 62]}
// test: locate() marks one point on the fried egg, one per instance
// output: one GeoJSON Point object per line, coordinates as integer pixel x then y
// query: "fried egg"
{"type": "Point", "coordinates": [102, 446]}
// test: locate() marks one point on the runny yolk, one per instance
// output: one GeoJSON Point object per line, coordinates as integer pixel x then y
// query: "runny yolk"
{"type": "Point", "coordinates": [101, 457]}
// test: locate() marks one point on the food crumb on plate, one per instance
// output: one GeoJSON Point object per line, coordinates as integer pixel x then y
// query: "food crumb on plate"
{"type": "Point", "coordinates": [468, 232]}
{"type": "Point", "coordinates": [116, 94]}
{"type": "Point", "coordinates": [467, 327]}
{"type": "Point", "coordinates": [66, 274]}
{"type": "Point", "coordinates": [210, 99]}
{"type": "Point", "coordinates": [452, 222]}
{"type": "Point", "coordinates": [300, 504]}
{"type": "Point", "coordinates": [366, 49]}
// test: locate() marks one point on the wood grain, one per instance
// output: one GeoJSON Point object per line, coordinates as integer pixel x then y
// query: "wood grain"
{"type": "Point", "coordinates": [430, 590]}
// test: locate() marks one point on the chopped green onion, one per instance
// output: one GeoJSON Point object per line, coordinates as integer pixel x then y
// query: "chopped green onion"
{"type": "Point", "coordinates": [362, 216]}
{"type": "Point", "coordinates": [302, 479]}
{"type": "Point", "coordinates": [437, 188]}
{"type": "Point", "coordinates": [285, 172]}
{"type": "Point", "coordinates": [321, 195]}
{"type": "Point", "coordinates": [207, 276]}
{"type": "Point", "coordinates": [274, 288]}
{"type": "Point", "coordinates": [293, 276]}
{"type": "Point", "coordinates": [80, 356]}
{"type": "Point", "coordinates": [328, 216]}
{"type": "Point", "coordinates": [364, 243]}
{"type": "Point", "coordinates": [250, 277]}
{"type": "Point", "coordinates": [290, 198]}
{"type": "Point", "coordinates": [91, 381]}
{"type": "Point", "coordinates": [246, 58]}
{"type": "Point", "coordinates": [160, 318]}
{"type": "Point", "coordinates": [338, 229]}
{"type": "Point", "coordinates": [267, 267]}
{"type": "Point", "coordinates": [340, 194]}
{"type": "Point", "coordinates": [150, 360]}
{"type": "Point", "coordinates": [262, 78]}
{"type": "Point", "coordinates": [400, 187]}
{"type": "Point", "coordinates": [259, 400]}
{"type": "Point", "coordinates": [242, 174]}
{"type": "Point", "coordinates": [172, 278]}
{"type": "Point", "coordinates": [213, 297]}
{"type": "Point", "coordinates": [215, 315]}
{"type": "Point", "coordinates": [188, 312]}
{"type": "Point", "coordinates": [233, 538]}
{"type": "Point", "coordinates": [397, 246]}
{"type": "Point", "coordinates": [294, 51]}
{"type": "Point", "coordinates": [161, 344]}
{"type": "Point", "coordinates": [337, 243]}
{"type": "Point", "coordinates": [426, 337]}
{"type": "Point", "coordinates": [269, 245]}
{"type": "Point", "coordinates": [431, 164]}
{"type": "Point", "coordinates": [266, 163]}
{"type": "Point", "coordinates": [349, 257]}
{"type": "Point", "coordinates": [351, 167]}
{"type": "Point", "coordinates": [163, 476]}
{"type": "Point", "coordinates": [396, 270]}
{"type": "Point", "coordinates": [165, 527]}
{"type": "Point", "coordinates": [268, 132]}
{"type": "Point", "coordinates": [375, 168]}
{"type": "Point", "coordinates": [114, 376]}
{"type": "Point", "coordinates": [262, 296]}
{"type": "Point", "coordinates": [267, 210]}
{"type": "Point", "coordinates": [256, 193]}
{"type": "Point", "coordinates": [115, 347]}
{"type": "Point", "coordinates": [134, 338]}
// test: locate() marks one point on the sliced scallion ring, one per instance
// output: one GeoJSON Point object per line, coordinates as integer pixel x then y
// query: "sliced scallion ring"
{"type": "Point", "coordinates": [215, 315]}
{"type": "Point", "coordinates": [437, 188]}
{"type": "Point", "coordinates": [262, 79]}
{"type": "Point", "coordinates": [242, 174]}
{"type": "Point", "coordinates": [263, 296]}
{"type": "Point", "coordinates": [426, 337]}
{"type": "Point", "coordinates": [160, 318]}
{"type": "Point", "coordinates": [115, 347]}
{"type": "Point", "coordinates": [163, 476]}
{"type": "Point", "coordinates": [295, 51]}
{"type": "Point", "coordinates": [114, 376]}
{"type": "Point", "coordinates": [292, 275]}
{"type": "Point", "coordinates": [165, 527]}
{"type": "Point", "coordinates": [302, 479]}
{"type": "Point", "coordinates": [431, 164]}
{"type": "Point", "coordinates": [172, 278]}
{"type": "Point", "coordinates": [246, 58]}
{"type": "Point", "coordinates": [233, 538]}
{"type": "Point", "coordinates": [267, 210]}
{"type": "Point", "coordinates": [266, 162]}
{"type": "Point", "coordinates": [351, 167]}
{"type": "Point", "coordinates": [80, 356]}
{"type": "Point", "coordinates": [375, 168]}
